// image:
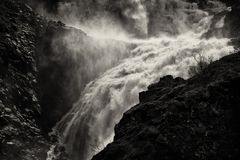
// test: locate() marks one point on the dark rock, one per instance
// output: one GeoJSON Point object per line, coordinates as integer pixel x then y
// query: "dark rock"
{"type": "Point", "coordinates": [20, 134]}
{"type": "Point", "coordinates": [163, 86]}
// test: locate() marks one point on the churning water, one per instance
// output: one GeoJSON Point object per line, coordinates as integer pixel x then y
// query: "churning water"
{"type": "Point", "coordinates": [89, 126]}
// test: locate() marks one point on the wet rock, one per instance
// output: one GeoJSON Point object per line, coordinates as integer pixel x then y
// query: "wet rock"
{"type": "Point", "coordinates": [165, 85]}
{"type": "Point", "coordinates": [8, 110]}
{"type": "Point", "coordinates": [20, 134]}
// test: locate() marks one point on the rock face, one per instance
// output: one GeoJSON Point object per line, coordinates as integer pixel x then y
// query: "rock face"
{"type": "Point", "coordinates": [41, 68]}
{"type": "Point", "coordinates": [176, 119]}
{"type": "Point", "coordinates": [32, 95]}
{"type": "Point", "coordinates": [20, 134]}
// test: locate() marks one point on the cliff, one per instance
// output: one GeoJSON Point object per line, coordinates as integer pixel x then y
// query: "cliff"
{"type": "Point", "coordinates": [20, 134]}
{"type": "Point", "coordinates": [24, 115]}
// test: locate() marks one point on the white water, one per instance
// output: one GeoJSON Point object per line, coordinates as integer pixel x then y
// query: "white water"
{"type": "Point", "coordinates": [89, 126]}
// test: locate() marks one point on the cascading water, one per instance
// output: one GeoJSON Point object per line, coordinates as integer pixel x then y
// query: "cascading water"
{"type": "Point", "coordinates": [89, 126]}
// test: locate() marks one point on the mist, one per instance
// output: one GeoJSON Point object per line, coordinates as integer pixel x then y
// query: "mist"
{"type": "Point", "coordinates": [128, 45]}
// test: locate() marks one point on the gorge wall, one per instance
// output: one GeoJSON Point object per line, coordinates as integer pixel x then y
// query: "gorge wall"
{"type": "Point", "coordinates": [20, 132]}
{"type": "Point", "coordinates": [41, 76]}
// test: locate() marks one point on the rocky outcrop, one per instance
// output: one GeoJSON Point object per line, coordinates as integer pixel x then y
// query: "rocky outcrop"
{"type": "Point", "coordinates": [176, 119]}
{"type": "Point", "coordinates": [20, 134]}
{"type": "Point", "coordinates": [32, 94]}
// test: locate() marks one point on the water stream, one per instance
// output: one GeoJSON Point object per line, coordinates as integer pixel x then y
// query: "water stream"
{"type": "Point", "coordinates": [89, 125]}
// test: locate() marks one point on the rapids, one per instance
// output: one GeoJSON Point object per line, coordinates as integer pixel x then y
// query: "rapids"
{"type": "Point", "coordinates": [89, 125]}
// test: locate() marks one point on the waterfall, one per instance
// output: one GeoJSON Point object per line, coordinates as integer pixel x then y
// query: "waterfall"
{"type": "Point", "coordinates": [180, 26]}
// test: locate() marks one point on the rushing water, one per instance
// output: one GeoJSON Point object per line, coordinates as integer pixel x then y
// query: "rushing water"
{"type": "Point", "coordinates": [89, 126]}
